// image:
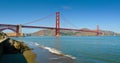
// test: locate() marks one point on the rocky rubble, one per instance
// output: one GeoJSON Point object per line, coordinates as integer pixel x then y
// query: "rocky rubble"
{"type": "Point", "coordinates": [14, 46]}
{"type": "Point", "coordinates": [2, 35]}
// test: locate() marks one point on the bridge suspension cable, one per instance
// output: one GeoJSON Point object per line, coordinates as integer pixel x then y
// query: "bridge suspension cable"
{"type": "Point", "coordinates": [40, 19]}
{"type": "Point", "coordinates": [68, 22]}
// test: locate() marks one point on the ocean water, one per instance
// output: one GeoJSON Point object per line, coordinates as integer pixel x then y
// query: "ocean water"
{"type": "Point", "coordinates": [83, 49]}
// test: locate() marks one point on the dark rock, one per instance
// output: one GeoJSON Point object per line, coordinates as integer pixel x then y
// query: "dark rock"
{"type": "Point", "coordinates": [13, 46]}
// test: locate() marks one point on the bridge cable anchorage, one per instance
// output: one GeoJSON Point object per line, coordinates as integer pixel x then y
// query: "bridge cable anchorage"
{"type": "Point", "coordinates": [68, 22]}
{"type": "Point", "coordinates": [40, 19]}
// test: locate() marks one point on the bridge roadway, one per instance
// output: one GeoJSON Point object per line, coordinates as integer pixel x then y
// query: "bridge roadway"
{"type": "Point", "coordinates": [43, 27]}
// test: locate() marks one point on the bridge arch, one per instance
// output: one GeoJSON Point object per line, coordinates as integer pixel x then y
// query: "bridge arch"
{"type": "Point", "coordinates": [8, 28]}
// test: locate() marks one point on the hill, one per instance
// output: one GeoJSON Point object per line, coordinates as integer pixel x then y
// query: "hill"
{"type": "Point", "coordinates": [72, 33]}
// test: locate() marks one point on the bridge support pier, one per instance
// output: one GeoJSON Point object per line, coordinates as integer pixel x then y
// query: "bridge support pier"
{"type": "Point", "coordinates": [57, 24]}
{"type": "Point", "coordinates": [18, 30]}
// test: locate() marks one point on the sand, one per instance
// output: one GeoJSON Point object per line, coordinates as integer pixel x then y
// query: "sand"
{"type": "Point", "coordinates": [29, 56]}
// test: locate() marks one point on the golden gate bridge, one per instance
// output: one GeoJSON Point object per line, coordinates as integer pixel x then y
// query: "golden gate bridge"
{"type": "Point", "coordinates": [17, 28]}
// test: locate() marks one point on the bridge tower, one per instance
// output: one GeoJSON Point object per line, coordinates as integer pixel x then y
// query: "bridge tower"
{"type": "Point", "coordinates": [98, 30]}
{"type": "Point", "coordinates": [57, 24]}
{"type": "Point", "coordinates": [18, 30]}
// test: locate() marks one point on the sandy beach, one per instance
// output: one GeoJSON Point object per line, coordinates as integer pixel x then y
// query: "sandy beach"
{"type": "Point", "coordinates": [44, 56]}
{"type": "Point", "coordinates": [38, 55]}
{"type": "Point", "coordinates": [33, 54]}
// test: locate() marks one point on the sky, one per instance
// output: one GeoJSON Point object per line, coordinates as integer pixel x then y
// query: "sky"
{"type": "Point", "coordinates": [73, 13]}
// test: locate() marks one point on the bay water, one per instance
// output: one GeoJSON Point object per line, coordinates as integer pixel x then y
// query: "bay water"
{"type": "Point", "coordinates": [83, 49]}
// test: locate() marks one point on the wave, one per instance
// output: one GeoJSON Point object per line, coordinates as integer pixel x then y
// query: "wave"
{"type": "Point", "coordinates": [54, 51]}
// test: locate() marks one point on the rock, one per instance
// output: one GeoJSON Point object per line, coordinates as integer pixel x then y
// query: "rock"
{"type": "Point", "coordinates": [11, 42]}
{"type": "Point", "coordinates": [17, 45]}
{"type": "Point", "coordinates": [14, 46]}
{"type": "Point", "coordinates": [21, 46]}
{"type": "Point", "coordinates": [2, 35]}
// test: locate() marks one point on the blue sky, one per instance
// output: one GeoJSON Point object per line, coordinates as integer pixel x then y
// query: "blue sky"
{"type": "Point", "coordinates": [81, 13]}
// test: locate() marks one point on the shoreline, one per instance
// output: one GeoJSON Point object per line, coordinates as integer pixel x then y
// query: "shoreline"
{"type": "Point", "coordinates": [35, 55]}
{"type": "Point", "coordinates": [45, 56]}
{"type": "Point", "coordinates": [13, 51]}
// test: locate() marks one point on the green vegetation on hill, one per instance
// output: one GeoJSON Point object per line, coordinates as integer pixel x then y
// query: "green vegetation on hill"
{"type": "Point", "coordinates": [73, 33]}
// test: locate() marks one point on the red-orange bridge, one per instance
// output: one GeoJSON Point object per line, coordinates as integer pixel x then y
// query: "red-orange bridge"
{"type": "Point", "coordinates": [17, 28]}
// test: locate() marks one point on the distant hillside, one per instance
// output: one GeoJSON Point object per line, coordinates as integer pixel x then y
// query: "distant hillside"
{"type": "Point", "coordinates": [110, 33]}
{"type": "Point", "coordinates": [72, 33]}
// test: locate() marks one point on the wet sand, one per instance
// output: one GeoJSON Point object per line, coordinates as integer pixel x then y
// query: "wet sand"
{"type": "Point", "coordinates": [38, 55]}
{"type": "Point", "coordinates": [30, 56]}
{"type": "Point", "coordinates": [44, 56]}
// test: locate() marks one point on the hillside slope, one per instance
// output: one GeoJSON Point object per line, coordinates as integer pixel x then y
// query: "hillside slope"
{"type": "Point", "coordinates": [72, 33]}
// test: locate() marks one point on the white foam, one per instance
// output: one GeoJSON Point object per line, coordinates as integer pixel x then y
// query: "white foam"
{"type": "Point", "coordinates": [70, 56]}
{"type": "Point", "coordinates": [54, 51]}
{"type": "Point", "coordinates": [36, 44]}
{"type": "Point", "coordinates": [54, 58]}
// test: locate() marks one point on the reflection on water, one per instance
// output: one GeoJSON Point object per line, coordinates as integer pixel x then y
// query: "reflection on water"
{"type": "Point", "coordinates": [57, 43]}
